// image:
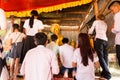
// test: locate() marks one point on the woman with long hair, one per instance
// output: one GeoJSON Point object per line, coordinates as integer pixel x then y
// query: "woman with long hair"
{"type": "Point", "coordinates": [31, 26]}
{"type": "Point", "coordinates": [83, 59]}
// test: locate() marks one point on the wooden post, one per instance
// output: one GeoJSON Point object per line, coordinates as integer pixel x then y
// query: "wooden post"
{"type": "Point", "coordinates": [95, 8]}
{"type": "Point", "coordinates": [107, 12]}
{"type": "Point", "coordinates": [104, 6]}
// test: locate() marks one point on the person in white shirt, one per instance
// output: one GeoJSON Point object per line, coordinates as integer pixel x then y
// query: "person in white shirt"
{"type": "Point", "coordinates": [66, 54]}
{"type": "Point", "coordinates": [83, 59]}
{"type": "Point", "coordinates": [52, 45]}
{"type": "Point", "coordinates": [115, 8]}
{"type": "Point", "coordinates": [16, 44]}
{"type": "Point", "coordinates": [40, 63]}
{"type": "Point", "coordinates": [31, 26]}
{"type": "Point", "coordinates": [100, 46]}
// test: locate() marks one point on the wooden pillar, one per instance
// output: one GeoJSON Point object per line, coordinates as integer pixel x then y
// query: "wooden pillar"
{"type": "Point", "coordinates": [95, 8]}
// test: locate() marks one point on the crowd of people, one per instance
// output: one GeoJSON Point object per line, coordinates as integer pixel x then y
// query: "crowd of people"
{"type": "Point", "coordinates": [41, 58]}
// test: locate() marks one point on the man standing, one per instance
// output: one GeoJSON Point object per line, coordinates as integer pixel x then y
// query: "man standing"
{"type": "Point", "coordinates": [115, 8]}
{"type": "Point", "coordinates": [101, 39]}
{"type": "Point", "coordinates": [40, 62]}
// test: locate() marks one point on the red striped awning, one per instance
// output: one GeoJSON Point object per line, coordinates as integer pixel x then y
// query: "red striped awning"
{"type": "Point", "coordinates": [23, 7]}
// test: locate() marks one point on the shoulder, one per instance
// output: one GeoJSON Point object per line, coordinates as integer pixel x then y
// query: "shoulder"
{"type": "Point", "coordinates": [117, 15]}
{"type": "Point", "coordinates": [38, 21]}
{"type": "Point", "coordinates": [77, 50]}
{"type": "Point", "coordinates": [12, 34]}
{"type": "Point", "coordinates": [27, 20]}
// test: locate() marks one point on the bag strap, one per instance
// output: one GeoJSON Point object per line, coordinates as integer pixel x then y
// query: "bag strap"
{"type": "Point", "coordinates": [17, 37]}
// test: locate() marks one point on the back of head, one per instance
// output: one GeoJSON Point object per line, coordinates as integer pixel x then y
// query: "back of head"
{"type": "Point", "coordinates": [54, 37]}
{"type": "Point", "coordinates": [65, 40]}
{"type": "Point", "coordinates": [101, 17]}
{"type": "Point", "coordinates": [40, 38]}
{"type": "Point", "coordinates": [34, 13]}
{"type": "Point", "coordinates": [114, 3]}
{"type": "Point", "coordinates": [85, 48]}
{"type": "Point", "coordinates": [83, 40]}
{"type": "Point", "coordinates": [15, 26]}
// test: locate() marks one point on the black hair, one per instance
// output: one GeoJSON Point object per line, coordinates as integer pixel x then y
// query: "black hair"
{"type": "Point", "coordinates": [1, 47]}
{"type": "Point", "coordinates": [118, 2]}
{"type": "Point", "coordinates": [15, 26]}
{"type": "Point", "coordinates": [85, 48]}
{"type": "Point", "coordinates": [40, 38]}
{"type": "Point", "coordinates": [54, 37]}
{"type": "Point", "coordinates": [65, 40]}
{"type": "Point", "coordinates": [33, 13]}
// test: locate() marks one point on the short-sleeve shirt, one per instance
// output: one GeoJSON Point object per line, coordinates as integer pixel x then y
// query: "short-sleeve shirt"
{"type": "Point", "coordinates": [36, 26]}
{"type": "Point", "coordinates": [17, 36]}
{"type": "Point", "coordinates": [53, 46]}
{"type": "Point", "coordinates": [39, 64]}
{"type": "Point", "coordinates": [66, 54]}
{"type": "Point", "coordinates": [83, 71]}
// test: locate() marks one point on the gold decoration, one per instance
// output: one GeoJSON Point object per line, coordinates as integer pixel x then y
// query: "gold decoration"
{"type": "Point", "coordinates": [48, 9]}
{"type": "Point", "coordinates": [55, 28]}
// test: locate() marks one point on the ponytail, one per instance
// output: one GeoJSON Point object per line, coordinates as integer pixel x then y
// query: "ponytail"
{"type": "Point", "coordinates": [31, 21]}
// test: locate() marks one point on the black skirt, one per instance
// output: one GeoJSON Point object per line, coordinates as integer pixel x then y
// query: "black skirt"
{"type": "Point", "coordinates": [28, 44]}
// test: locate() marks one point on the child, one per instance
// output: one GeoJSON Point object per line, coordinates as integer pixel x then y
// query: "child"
{"type": "Point", "coordinates": [16, 47]}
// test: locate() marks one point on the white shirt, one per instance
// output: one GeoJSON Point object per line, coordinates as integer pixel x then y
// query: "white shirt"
{"type": "Point", "coordinates": [116, 29]}
{"type": "Point", "coordinates": [3, 21]}
{"type": "Point", "coordinates": [53, 46]}
{"type": "Point", "coordinates": [83, 72]}
{"type": "Point", "coordinates": [36, 26]}
{"type": "Point", "coordinates": [17, 36]}
{"type": "Point", "coordinates": [100, 28]}
{"type": "Point", "coordinates": [39, 64]}
{"type": "Point", "coordinates": [66, 54]}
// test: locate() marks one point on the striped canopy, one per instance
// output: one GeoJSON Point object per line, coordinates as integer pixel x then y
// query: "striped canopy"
{"type": "Point", "coordinates": [23, 7]}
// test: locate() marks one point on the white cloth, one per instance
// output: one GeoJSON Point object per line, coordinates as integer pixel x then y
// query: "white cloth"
{"type": "Point", "coordinates": [116, 29]}
{"type": "Point", "coordinates": [66, 53]}
{"type": "Point", "coordinates": [100, 29]}
{"type": "Point", "coordinates": [17, 36]}
{"type": "Point", "coordinates": [39, 64]}
{"type": "Point", "coordinates": [83, 72]}
{"type": "Point", "coordinates": [53, 46]}
{"type": "Point", "coordinates": [3, 21]}
{"type": "Point", "coordinates": [4, 74]}
{"type": "Point", "coordinates": [36, 26]}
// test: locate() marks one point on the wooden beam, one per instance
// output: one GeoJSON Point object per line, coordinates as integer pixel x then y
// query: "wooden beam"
{"type": "Point", "coordinates": [107, 12]}
{"type": "Point", "coordinates": [104, 6]}
{"type": "Point", "coordinates": [95, 4]}
{"type": "Point", "coordinates": [81, 12]}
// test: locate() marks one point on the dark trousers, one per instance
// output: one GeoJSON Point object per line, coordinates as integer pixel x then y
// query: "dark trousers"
{"type": "Point", "coordinates": [101, 49]}
{"type": "Point", "coordinates": [118, 53]}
